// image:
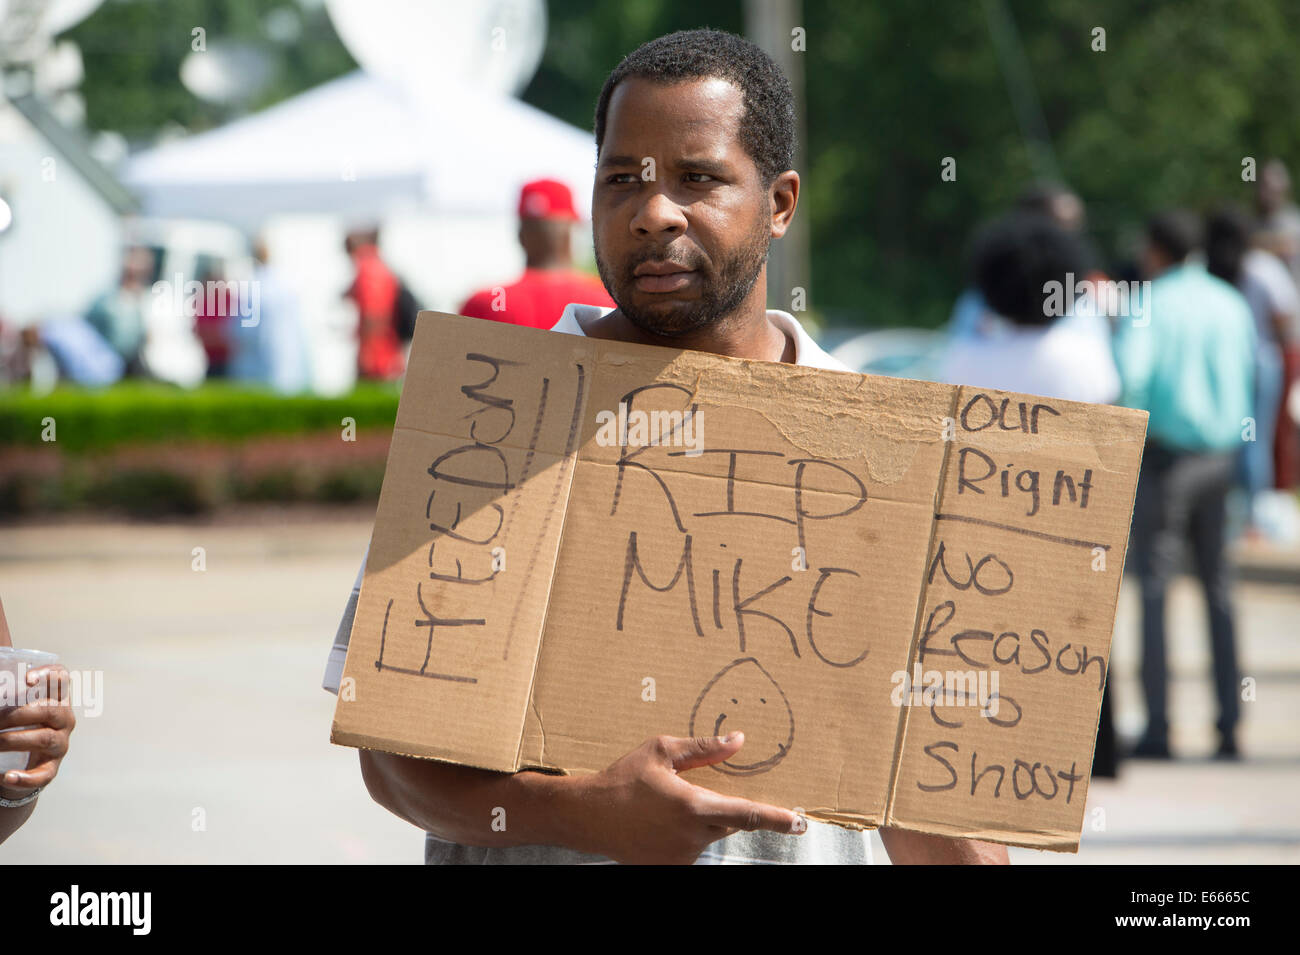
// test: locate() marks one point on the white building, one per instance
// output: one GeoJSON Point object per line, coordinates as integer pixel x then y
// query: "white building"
{"type": "Point", "coordinates": [64, 244]}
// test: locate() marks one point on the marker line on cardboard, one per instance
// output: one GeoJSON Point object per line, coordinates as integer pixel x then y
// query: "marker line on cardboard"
{"type": "Point", "coordinates": [383, 635]}
{"type": "Point", "coordinates": [1041, 535]}
{"type": "Point", "coordinates": [528, 458]}
{"type": "Point", "coordinates": [451, 678]}
{"type": "Point", "coordinates": [566, 461]}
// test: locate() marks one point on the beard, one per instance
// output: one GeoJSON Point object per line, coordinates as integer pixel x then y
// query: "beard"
{"type": "Point", "coordinates": [722, 288]}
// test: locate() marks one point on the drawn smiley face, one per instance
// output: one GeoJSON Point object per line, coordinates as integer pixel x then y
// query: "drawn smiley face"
{"type": "Point", "coordinates": [744, 696]}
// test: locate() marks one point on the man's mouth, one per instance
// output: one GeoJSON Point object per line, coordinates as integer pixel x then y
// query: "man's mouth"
{"type": "Point", "coordinates": [662, 276]}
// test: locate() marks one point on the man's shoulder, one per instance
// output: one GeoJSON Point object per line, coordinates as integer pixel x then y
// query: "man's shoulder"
{"type": "Point", "coordinates": [1227, 297]}
{"type": "Point", "coordinates": [576, 316]}
{"type": "Point", "coordinates": [1195, 289]}
{"type": "Point", "coordinates": [807, 352]}
{"type": "Point", "coordinates": [473, 305]}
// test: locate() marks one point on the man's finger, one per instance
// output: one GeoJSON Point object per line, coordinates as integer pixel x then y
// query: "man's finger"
{"type": "Point", "coordinates": [40, 713]}
{"type": "Point", "coordinates": [685, 752]}
{"type": "Point", "coordinates": [39, 740]}
{"type": "Point", "coordinates": [52, 678]}
{"type": "Point", "coordinates": [38, 774]}
{"type": "Point", "coordinates": [736, 813]}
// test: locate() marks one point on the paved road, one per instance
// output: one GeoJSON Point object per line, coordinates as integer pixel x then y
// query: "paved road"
{"type": "Point", "coordinates": [213, 711]}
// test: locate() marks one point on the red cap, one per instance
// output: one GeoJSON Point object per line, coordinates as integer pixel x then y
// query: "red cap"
{"type": "Point", "coordinates": [546, 199]}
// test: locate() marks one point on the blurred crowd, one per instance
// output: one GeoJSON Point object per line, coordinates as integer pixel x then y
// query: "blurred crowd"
{"type": "Point", "coordinates": [218, 322]}
{"type": "Point", "coordinates": [222, 321]}
{"type": "Point", "coordinates": [1203, 332]}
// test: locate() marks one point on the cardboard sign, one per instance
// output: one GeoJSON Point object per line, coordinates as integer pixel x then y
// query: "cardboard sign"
{"type": "Point", "coordinates": [902, 592]}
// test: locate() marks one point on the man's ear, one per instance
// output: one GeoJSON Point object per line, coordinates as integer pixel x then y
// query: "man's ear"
{"type": "Point", "coordinates": [783, 196]}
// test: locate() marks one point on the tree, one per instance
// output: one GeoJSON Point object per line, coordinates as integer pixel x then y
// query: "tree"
{"type": "Point", "coordinates": [1163, 116]}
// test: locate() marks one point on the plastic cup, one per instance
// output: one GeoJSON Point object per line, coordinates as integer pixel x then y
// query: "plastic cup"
{"type": "Point", "coordinates": [14, 665]}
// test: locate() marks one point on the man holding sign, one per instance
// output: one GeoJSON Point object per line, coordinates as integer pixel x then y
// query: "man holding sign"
{"type": "Point", "coordinates": [695, 140]}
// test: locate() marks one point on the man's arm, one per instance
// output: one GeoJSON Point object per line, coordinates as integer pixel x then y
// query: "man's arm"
{"type": "Point", "coordinates": [457, 803]}
{"type": "Point", "coordinates": [1135, 349]}
{"type": "Point", "coordinates": [922, 848]}
{"type": "Point", "coordinates": [638, 810]}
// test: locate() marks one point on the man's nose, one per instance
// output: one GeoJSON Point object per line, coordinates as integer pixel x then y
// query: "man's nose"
{"type": "Point", "coordinates": [658, 215]}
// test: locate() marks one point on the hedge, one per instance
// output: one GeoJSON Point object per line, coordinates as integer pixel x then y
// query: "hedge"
{"type": "Point", "coordinates": [154, 492]}
{"type": "Point", "coordinates": [146, 413]}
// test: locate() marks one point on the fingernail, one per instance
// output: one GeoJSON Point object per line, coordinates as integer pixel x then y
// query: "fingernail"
{"type": "Point", "coordinates": [732, 737]}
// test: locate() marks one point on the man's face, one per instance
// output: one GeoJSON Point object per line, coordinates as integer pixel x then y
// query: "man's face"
{"type": "Point", "coordinates": [680, 241]}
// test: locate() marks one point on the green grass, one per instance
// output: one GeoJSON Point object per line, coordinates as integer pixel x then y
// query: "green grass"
{"type": "Point", "coordinates": [151, 413]}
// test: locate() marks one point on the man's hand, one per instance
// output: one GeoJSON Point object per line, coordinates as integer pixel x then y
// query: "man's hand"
{"type": "Point", "coordinates": [50, 721]}
{"type": "Point", "coordinates": [639, 810]}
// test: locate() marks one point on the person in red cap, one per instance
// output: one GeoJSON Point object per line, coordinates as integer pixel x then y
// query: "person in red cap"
{"type": "Point", "coordinates": [549, 282]}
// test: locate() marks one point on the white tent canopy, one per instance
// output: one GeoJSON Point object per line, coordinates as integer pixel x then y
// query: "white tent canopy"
{"type": "Point", "coordinates": [359, 148]}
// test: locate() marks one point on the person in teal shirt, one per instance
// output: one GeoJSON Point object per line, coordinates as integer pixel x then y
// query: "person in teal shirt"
{"type": "Point", "coordinates": [1189, 357]}
{"type": "Point", "coordinates": [119, 314]}
{"type": "Point", "coordinates": [1185, 354]}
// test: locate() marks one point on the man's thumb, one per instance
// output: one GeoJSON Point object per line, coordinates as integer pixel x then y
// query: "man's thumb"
{"type": "Point", "coordinates": [693, 752]}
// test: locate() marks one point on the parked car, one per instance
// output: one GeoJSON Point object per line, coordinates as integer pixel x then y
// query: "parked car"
{"type": "Point", "coordinates": [896, 352]}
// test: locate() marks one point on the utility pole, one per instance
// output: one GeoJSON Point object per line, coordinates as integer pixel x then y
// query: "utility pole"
{"type": "Point", "coordinates": [771, 25]}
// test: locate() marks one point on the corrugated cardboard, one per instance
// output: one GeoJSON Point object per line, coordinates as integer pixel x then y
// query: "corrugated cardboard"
{"type": "Point", "coordinates": [538, 595]}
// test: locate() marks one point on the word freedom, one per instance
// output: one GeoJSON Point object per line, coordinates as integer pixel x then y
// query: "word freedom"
{"type": "Point", "coordinates": [639, 429]}
{"type": "Point", "coordinates": [217, 297]}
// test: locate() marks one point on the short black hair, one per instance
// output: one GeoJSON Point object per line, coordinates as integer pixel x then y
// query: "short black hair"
{"type": "Point", "coordinates": [767, 128]}
{"type": "Point", "coordinates": [1176, 233]}
{"type": "Point", "coordinates": [1040, 194]}
{"type": "Point", "coordinates": [1015, 256]}
{"type": "Point", "coordinates": [1227, 239]}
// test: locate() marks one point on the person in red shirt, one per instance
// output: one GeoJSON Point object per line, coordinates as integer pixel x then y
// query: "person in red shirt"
{"type": "Point", "coordinates": [212, 324]}
{"type": "Point", "coordinates": [549, 282]}
{"type": "Point", "coordinates": [375, 290]}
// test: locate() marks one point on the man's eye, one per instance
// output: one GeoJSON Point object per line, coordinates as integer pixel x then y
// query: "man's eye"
{"type": "Point", "coordinates": [621, 178]}
{"type": "Point", "coordinates": [699, 177]}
